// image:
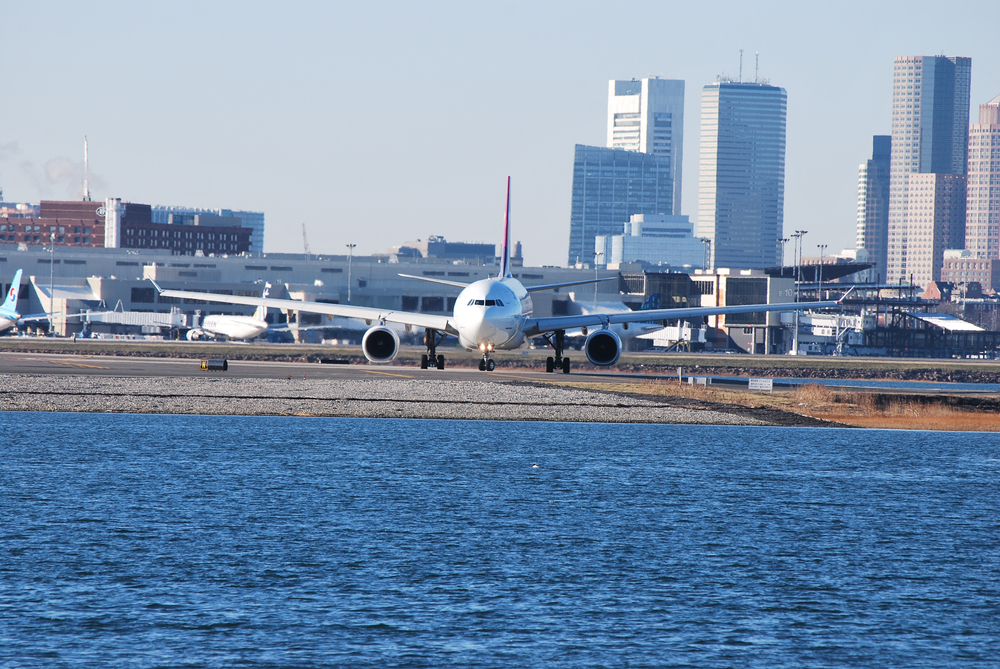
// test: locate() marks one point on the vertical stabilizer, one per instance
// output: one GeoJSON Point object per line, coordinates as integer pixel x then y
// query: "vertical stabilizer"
{"type": "Point", "coordinates": [261, 313]}
{"type": "Point", "coordinates": [505, 250]}
{"type": "Point", "coordinates": [10, 304]}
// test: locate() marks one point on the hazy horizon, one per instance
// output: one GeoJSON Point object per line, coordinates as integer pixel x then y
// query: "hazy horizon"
{"type": "Point", "coordinates": [376, 125]}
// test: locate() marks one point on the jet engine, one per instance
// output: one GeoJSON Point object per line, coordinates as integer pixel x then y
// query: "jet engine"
{"type": "Point", "coordinates": [194, 334]}
{"type": "Point", "coordinates": [380, 344]}
{"type": "Point", "coordinates": [603, 347]}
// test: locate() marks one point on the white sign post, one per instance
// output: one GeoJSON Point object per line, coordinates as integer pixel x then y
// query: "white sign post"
{"type": "Point", "coordinates": [762, 384]}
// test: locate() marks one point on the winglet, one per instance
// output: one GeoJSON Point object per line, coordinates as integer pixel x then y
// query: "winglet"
{"type": "Point", "coordinates": [155, 285]}
{"type": "Point", "coordinates": [505, 250]}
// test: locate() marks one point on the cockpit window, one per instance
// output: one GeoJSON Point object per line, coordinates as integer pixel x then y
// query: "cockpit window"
{"type": "Point", "coordinates": [480, 303]}
{"type": "Point", "coordinates": [499, 303]}
{"type": "Point", "coordinates": [491, 303]}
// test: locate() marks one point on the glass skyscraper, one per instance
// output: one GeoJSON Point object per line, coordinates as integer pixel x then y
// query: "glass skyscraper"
{"type": "Point", "coordinates": [647, 115]}
{"type": "Point", "coordinates": [873, 204]}
{"type": "Point", "coordinates": [609, 185]}
{"type": "Point", "coordinates": [741, 181]}
{"type": "Point", "coordinates": [930, 134]}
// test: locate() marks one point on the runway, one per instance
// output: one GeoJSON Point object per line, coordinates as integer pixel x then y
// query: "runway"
{"type": "Point", "coordinates": [129, 366]}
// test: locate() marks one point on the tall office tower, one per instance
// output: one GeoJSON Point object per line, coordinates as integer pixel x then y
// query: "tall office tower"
{"type": "Point", "coordinates": [873, 204]}
{"type": "Point", "coordinates": [935, 215]}
{"type": "Point", "coordinates": [930, 133]}
{"type": "Point", "coordinates": [647, 115]}
{"type": "Point", "coordinates": [609, 185]}
{"type": "Point", "coordinates": [982, 217]}
{"type": "Point", "coordinates": [741, 184]}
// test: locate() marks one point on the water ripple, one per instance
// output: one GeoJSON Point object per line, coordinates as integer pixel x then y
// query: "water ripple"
{"type": "Point", "coordinates": [263, 542]}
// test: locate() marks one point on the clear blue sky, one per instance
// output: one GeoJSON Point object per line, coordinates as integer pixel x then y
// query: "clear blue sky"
{"type": "Point", "coordinates": [379, 123]}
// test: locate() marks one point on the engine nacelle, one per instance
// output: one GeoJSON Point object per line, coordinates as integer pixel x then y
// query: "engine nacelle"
{"type": "Point", "coordinates": [194, 334]}
{"type": "Point", "coordinates": [603, 347]}
{"type": "Point", "coordinates": [380, 344]}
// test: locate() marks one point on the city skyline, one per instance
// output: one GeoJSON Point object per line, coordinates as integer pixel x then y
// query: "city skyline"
{"type": "Point", "coordinates": [286, 111]}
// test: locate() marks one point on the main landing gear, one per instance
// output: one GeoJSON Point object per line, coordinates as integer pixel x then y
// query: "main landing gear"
{"type": "Point", "coordinates": [431, 358]}
{"type": "Point", "coordinates": [558, 341]}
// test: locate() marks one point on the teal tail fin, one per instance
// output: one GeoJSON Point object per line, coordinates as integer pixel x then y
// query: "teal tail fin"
{"type": "Point", "coordinates": [10, 304]}
{"type": "Point", "coordinates": [261, 312]}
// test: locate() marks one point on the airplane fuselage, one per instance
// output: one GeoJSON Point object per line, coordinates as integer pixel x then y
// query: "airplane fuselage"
{"type": "Point", "coordinates": [490, 314]}
{"type": "Point", "coordinates": [7, 320]}
{"type": "Point", "coordinates": [234, 327]}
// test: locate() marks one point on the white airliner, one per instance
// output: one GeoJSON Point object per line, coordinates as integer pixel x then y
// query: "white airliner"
{"type": "Point", "coordinates": [8, 310]}
{"type": "Point", "coordinates": [233, 327]}
{"type": "Point", "coordinates": [491, 315]}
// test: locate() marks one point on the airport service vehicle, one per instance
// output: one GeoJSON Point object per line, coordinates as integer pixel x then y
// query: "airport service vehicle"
{"type": "Point", "coordinates": [233, 327]}
{"type": "Point", "coordinates": [490, 315]}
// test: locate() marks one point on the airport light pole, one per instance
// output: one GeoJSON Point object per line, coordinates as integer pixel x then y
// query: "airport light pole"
{"type": "Point", "coordinates": [798, 265]}
{"type": "Point", "coordinates": [797, 259]}
{"type": "Point", "coordinates": [819, 285]}
{"type": "Point", "coordinates": [350, 256]}
{"type": "Point", "coordinates": [597, 261]}
{"type": "Point", "coordinates": [52, 266]}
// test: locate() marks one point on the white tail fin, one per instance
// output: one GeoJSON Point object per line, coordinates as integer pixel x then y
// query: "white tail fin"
{"type": "Point", "coordinates": [505, 250]}
{"type": "Point", "coordinates": [10, 304]}
{"type": "Point", "coordinates": [261, 313]}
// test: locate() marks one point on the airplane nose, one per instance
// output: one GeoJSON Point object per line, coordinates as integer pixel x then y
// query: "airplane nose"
{"type": "Point", "coordinates": [479, 329]}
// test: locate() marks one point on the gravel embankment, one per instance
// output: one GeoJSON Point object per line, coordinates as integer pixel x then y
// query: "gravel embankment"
{"type": "Point", "coordinates": [473, 400]}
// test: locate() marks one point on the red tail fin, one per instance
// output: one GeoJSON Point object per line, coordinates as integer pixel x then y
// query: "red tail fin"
{"type": "Point", "coordinates": [505, 250]}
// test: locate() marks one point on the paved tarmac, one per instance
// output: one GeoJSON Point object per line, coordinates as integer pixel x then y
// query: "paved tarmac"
{"type": "Point", "coordinates": [128, 366]}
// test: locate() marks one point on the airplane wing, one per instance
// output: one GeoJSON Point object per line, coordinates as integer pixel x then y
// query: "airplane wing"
{"type": "Point", "coordinates": [367, 314]}
{"type": "Point", "coordinates": [550, 286]}
{"type": "Point", "coordinates": [456, 284]}
{"type": "Point", "coordinates": [537, 326]}
{"type": "Point", "coordinates": [36, 317]}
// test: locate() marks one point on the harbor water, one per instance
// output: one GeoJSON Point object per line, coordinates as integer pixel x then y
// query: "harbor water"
{"type": "Point", "coordinates": [193, 541]}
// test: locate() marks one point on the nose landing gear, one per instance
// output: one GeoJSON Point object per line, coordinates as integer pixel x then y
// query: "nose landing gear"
{"type": "Point", "coordinates": [486, 364]}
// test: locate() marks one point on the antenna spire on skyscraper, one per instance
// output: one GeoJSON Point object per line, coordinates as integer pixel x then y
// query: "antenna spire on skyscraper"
{"type": "Point", "coordinates": [86, 171]}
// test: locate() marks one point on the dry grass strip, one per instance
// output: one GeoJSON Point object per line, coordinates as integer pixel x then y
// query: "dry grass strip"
{"type": "Point", "coordinates": [850, 407]}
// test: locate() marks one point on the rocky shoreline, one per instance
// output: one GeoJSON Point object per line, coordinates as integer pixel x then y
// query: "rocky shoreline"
{"type": "Point", "coordinates": [375, 398]}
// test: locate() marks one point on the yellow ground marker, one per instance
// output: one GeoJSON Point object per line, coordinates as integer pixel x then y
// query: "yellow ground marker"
{"type": "Point", "coordinates": [372, 371]}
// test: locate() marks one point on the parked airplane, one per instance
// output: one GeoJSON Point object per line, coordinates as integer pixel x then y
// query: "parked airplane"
{"type": "Point", "coordinates": [8, 310]}
{"type": "Point", "coordinates": [490, 315]}
{"type": "Point", "coordinates": [233, 327]}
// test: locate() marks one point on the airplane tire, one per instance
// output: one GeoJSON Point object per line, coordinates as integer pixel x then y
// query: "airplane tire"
{"type": "Point", "coordinates": [482, 365]}
{"type": "Point", "coordinates": [490, 366]}
{"type": "Point", "coordinates": [440, 362]}
{"type": "Point", "coordinates": [423, 361]}
{"type": "Point", "coordinates": [565, 366]}
{"type": "Point", "coordinates": [550, 364]}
